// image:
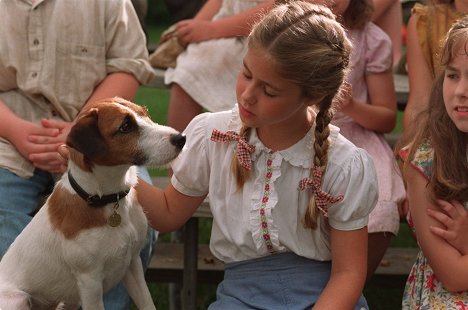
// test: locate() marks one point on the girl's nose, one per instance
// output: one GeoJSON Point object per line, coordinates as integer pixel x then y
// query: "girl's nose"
{"type": "Point", "coordinates": [248, 96]}
{"type": "Point", "coordinates": [462, 88]}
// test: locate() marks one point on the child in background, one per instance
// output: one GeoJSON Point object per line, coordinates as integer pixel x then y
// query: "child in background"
{"type": "Point", "coordinates": [388, 16]}
{"type": "Point", "coordinates": [205, 74]}
{"type": "Point", "coordinates": [290, 196]}
{"type": "Point", "coordinates": [368, 111]}
{"type": "Point", "coordinates": [427, 28]}
{"type": "Point", "coordinates": [435, 170]}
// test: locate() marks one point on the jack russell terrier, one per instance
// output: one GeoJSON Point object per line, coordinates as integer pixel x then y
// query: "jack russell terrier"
{"type": "Point", "coordinates": [89, 234]}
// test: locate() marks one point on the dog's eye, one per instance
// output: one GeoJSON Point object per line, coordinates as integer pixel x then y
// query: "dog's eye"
{"type": "Point", "coordinates": [127, 125]}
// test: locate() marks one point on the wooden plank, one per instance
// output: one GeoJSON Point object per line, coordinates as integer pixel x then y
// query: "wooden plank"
{"type": "Point", "coordinates": [401, 89]}
{"type": "Point", "coordinates": [397, 261]}
{"type": "Point", "coordinates": [169, 257]}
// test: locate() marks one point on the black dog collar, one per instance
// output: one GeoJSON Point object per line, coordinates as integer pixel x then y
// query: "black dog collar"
{"type": "Point", "coordinates": [95, 200]}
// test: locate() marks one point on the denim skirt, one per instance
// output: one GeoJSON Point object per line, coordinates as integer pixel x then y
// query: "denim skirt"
{"type": "Point", "coordinates": [278, 281]}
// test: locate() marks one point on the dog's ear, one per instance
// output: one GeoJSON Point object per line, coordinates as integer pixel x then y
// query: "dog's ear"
{"type": "Point", "coordinates": [85, 136]}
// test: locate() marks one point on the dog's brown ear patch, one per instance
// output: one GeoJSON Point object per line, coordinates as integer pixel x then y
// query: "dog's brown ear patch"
{"type": "Point", "coordinates": [85, 136]}
{"type": "Point", "coordinates": [70, 214]}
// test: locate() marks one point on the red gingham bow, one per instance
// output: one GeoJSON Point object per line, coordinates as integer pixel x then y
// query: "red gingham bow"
{"type": "Point", "coordinates": [243, 149]}
{"type": "Point", "coordinates": [322, 199]}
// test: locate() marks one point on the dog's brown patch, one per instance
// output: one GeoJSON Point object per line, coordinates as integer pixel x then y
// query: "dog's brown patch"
{"type": "Point", "coordinates": [69, 214]}
{"type": "Point", "coordinates": [107, 133]}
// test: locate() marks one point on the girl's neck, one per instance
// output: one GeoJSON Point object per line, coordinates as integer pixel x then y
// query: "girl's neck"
{"type": "Point", "coordinates": [282, 136]}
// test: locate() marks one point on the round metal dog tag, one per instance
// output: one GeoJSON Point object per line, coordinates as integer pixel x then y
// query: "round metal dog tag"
{"type": "Point", "coordinates": [114, 220]}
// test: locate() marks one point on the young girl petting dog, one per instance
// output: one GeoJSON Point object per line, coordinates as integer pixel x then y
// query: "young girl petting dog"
{"type": "Point", "coordinates": [436, 172]}
{"type": "Point", "coordinates": [290, 196]}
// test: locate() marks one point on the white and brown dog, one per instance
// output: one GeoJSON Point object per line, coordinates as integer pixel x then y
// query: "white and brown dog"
{"type": "Point", "coordinates": [88, 235]}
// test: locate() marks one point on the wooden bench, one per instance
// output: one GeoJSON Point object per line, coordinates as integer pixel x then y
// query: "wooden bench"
{"type": "Point", "coordinates": [190, 263]}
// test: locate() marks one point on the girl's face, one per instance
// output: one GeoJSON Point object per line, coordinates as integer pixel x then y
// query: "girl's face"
{"type": "Point", "coordinates": [265, 98]}
{"type": "Point", "coordinates": [455, 90]}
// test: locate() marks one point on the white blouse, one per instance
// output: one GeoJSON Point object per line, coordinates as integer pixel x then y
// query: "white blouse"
{"type": "Point", "coordinates": [265, 216]}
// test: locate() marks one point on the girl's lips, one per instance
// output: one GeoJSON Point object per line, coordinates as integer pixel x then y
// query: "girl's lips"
{"type": "Point", "coordinates": [245, 112]}
{"type": "Point", "coordinates": [461, 110]}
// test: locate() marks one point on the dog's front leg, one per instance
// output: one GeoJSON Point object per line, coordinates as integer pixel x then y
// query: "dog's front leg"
{"type": "Point", "coordinates": [135, 283]}
{"type": "Point", "coordinates": [91, 291]}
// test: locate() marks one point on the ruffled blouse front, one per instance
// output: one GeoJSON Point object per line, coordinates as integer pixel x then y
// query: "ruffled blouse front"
{"type": "Point", "coordinates": [265, 216]}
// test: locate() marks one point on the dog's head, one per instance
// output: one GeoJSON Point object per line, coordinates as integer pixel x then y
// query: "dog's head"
{"type": "Point", "coordinates": [115, 131]}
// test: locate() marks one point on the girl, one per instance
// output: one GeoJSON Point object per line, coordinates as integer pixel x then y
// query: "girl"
{"type": "Point", "coordinates": [427, 28]}
{"type": "Point", "coordinates": [436, 172]}
{"type": "Point", "coordinates": [369, 111]}
{"type": "Point", "coordinates": [290, 197]}
{"type": "Point", "coordinates": [206, 71]}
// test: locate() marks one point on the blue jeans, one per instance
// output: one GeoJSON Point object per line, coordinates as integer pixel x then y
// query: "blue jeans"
{"type": "Point", "coordinates": [19, 199]}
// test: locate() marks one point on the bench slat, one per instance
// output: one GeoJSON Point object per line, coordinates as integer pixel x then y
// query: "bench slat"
{"type": "Point", "coordinates": [169, 256]}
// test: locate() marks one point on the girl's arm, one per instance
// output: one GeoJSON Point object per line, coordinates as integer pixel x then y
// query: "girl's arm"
{"type": "Point", "coordinates": [167, 210]}
{"type": "Point", "coordinates": [419, 75]}
{"type": "Point", "coordinates": [379, 114]}
{"type": "Point", "coordinates": [202, 28]}
{"type": "Point", "coordinates": [349, 267]}
{"type": "Point", "coordinates": [449, 265]}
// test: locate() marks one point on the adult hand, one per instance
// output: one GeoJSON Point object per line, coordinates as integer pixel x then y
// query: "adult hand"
{"type": "Point", "coordinates": [455, 220]}
{"type": "Point", "coordinates": [191, 31]}
{"type": "Point", "coordinates": [49, 159]}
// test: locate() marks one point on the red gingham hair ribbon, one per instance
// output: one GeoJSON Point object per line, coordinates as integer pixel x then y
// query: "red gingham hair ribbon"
{"type": "Point", "coordinates": [243, 149]}
{"type": "Point", "coordinates": [322, 199]}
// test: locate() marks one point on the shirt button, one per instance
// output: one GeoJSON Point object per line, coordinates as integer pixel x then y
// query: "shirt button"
{"type": "Point", "coordinates": [36, 42]}
{"type": "Point", "coordinates": [34, 74]}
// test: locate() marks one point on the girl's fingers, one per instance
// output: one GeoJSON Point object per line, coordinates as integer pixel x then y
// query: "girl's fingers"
{"type": "Point", "coordinates": [449, 208]}
{"type": "Point", "coordinates": [440, 217]}
{"type": "Point", "coordinates": [442, 233]}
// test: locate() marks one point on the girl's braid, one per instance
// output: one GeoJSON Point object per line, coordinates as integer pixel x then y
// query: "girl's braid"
{"type": "Point", "coordinates": [321, 145]}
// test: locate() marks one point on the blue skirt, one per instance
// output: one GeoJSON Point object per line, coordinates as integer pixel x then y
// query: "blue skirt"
{"type": "Point", "coordinates": [279, 281]}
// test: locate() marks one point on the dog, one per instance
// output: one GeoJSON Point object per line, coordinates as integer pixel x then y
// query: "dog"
{"type": "Point", "coordinates": [88, 235]}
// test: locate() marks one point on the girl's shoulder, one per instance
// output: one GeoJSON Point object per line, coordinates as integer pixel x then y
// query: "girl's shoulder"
{"type": "Point", "coordinates": [420, 10]}
{"type": "Point", "coordinates": [422, 158]}
{"type": "Point", "coordinates": [343, 155]}
{"type": "Point", "coordinates": [204, 124]}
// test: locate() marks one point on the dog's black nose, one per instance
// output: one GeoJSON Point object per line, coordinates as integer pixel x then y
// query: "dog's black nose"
{"type": "Point", "coordinates": [178, 140]}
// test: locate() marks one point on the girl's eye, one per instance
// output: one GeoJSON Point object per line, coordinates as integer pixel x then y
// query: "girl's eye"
{"type": "Point", "coordinates": [246, 75]}
{"type": "Point", "coordinates": [268, 92]}
{"type": "Point", "coordinates": [451, 75]}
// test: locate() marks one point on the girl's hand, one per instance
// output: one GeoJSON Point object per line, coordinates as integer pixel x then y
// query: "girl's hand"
{"type": "Point", "coordinates": [455, 219]}
{"type": "Point", "coordinates": [192, 30]}
{"type": "Point", "coordinates": [49, 159]}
